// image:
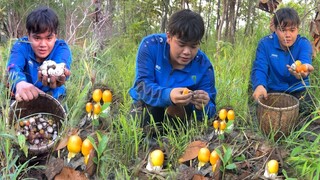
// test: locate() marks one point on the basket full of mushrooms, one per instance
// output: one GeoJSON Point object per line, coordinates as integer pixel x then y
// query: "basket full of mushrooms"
{"type": "Point", "coordinates": [39, 120]}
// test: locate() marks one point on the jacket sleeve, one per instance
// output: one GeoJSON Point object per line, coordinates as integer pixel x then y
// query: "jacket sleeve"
{"type": "Point", "coordinates": [259, 74]}
{"type": "Point", "coordinates": [16, 64]}
{"type": "Point", "coordinates": [145, 87]}
{"type": "Point", "coordinates": [207, 83]}
{"type": "Point", "coordinates": [305, 55]}
{"type": "Point", "coordinates": [62, 54]}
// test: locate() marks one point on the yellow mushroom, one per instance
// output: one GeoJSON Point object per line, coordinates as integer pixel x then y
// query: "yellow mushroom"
{"type": "Point", "coordinates": [271, 169]}
{"type": "Point", "coordinates": [89, 108]}
{"type": "Point", "coordinates": [96, 110]}
{"type": "Point", "coordinates": [203, 157]}
{"type": "Point", "coordinates": [214, 157]}
{"type": "Point", "coordinates": [73, 146]}
{"type": "Point", "coordinates": [155, 160]}
{"type": "Point", "coordinates": [216, 125]}
{"type": "Point", "coordinates": [223, 114]}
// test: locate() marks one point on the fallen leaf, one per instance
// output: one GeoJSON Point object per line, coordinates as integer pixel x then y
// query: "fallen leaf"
{"type": "Point", "coordinates": [245, 174]}
{"type": "Point", "coordinates": [185, 172]}
{"type": "Point", "coordinates": [263, 149]}
{"type": "Point", "coordinates": [283, 152]}
{"type": "Point", "coordinates": [64, 141]}
{"type": "Point", "coordinates": [199, 177]}
{"type": "Point", "coordinates": [217, 174]}
{"type": "Point", "coordinates": [53, 167]}
{"type": "Point", "coordinates": [69, 173]}
{"type": "Point", "coordinates": [192, 151]}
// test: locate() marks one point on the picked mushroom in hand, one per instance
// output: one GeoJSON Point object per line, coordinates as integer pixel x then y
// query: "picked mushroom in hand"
{"type": "Point", "coordinates": [52, 74]}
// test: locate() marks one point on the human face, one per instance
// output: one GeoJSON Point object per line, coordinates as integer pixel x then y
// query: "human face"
{"type": "Point", "coordinates": [287, 36]}
{"type": "Point", "coordinates": [181, 53]}
{"type": "Point", "coordinates": [42, 44]}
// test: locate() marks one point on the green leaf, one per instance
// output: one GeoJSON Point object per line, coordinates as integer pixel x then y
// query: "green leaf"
{"type": "Point", "coordinates": [95, 160]}
{"type": "Point", "coordinates": [105, 110]}
{"type": "Point", "coordinates": [220, 155]}
{"type": "Point", "coordinates": [231, 166]}
{"type": "Point", "coordinates": [105, 106]}
{"type": "Point", "coordinates": [95, 122]}
{"type": "Point", "coordinates": [93, 142]}
{"type": "Point", "coordinates": [240, 158]}
{"type": "Point", "coordinates": [229, 123]}
{"type": "Point", "coordinates": [25, 150]}
{"type": "Point", "coordinates": [221, 137]}
{"type": "Point", "coordinates": [6, 136]}
{"type": "Point", "coordinates": [227, 154]}
{"type": "Point", "coordinates": [21, 140]}
{"type": "Point", "coordinates": [284, 172]}
{"type": "Point", "coordinates": [98, 133]}
{"type": "Point", "coordinates": [103, 144]}
{"type": "Point", "coordinates": [296, 151]}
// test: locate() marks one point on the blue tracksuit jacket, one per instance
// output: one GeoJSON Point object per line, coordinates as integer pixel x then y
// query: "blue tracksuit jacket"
{"type": "Point", "coordinates": [155, 77]}
{"type": "Point", "coordinates": [269, 68]}
{"type": "Point", "coordinates": [22, 64]}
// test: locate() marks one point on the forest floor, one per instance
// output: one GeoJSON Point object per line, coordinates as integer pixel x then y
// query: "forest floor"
{"type": "Point", "coordinates": [250, 152]}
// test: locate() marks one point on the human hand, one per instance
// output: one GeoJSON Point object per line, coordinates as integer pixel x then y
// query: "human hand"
{"type": "Point", "coordinates": [260, 91]}
{"type": "Point", "coordinates": [178, 98]}
{"type": "Point", "coordinates": [200, 99]}
{"type": "Point", "coordinates": [52, 80]}
{"type": "Point", "coordinates": [303, 74]}
{"type": "Point", "coordinates": [26, 91]}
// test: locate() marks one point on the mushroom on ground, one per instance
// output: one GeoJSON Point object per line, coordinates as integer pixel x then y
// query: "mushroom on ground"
{"type": "Point", "coordinates": [74, 146]}
{"type": "Point", "coordinates": [155, 160]}
{"type": "Point", "coordinates": [271, 169]}
{"type": "Point", "coordinates": [203, 157]}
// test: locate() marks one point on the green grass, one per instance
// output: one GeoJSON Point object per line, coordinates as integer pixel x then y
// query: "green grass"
{"type": "Point", "coordinates": [123, 154]}
{"type": "Point", "coordinates": [304, 156]}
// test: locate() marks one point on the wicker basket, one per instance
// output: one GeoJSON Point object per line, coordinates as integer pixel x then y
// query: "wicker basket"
{"type": "Point", "coordinates": [278, 114]}
{"type": "Point", "coordinates": [45, 104]}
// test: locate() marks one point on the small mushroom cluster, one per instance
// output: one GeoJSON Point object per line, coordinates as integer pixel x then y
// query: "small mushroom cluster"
{"type": "Point", "coordinates": [221, 123]}
{"type": "Point", "coordinates": [39, 130]}
{"type": "Point", "coordinates": [204, 156]}
{"type": "Point", "coordinates": [51, 68]}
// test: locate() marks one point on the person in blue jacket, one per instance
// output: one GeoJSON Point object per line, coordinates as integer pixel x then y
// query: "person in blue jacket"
{"type": "Point", "coordinates": [272, 70]}
{"type": "Point", "coordinates": [29, 53]}
{"type": "Point", "coordinates": [167, 64]}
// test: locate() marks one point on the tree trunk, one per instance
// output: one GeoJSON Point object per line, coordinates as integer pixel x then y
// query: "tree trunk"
{"type": "Point", "coordinates": [236, 17]}
{"type": "Point", "coordinates": [248, 18]}
{"type": "Point", "coordinates": [221, 20]}
{"type": "Point", "coordinates": [218, 18]}
{"type": "Point", "coordinates": [184, 4]}
{"type": "Point", "coordinates": [165, 15]}
{"type": "Point", "coordinates": [15, 27]}
{"type": "Point", "coordinates": [233, 21]}
{"type": "Point", "coordinates": [315, 32]}
{"type": "Point", "coordinates": [124, 26]}
{"type": "Point", "coordinates": [226, 12]}
{"type": "Point", "coordinates": [200, 6]}
{"type": "Point", "coordinates": [208, 20]}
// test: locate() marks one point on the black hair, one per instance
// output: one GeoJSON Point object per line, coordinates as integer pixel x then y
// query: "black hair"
{"type": "Point", "coordinates": [286, 17]}
{"type": "Point", "coordinates": [41, 20]}
{"type": "Point", "coordinates": [187, 25]}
